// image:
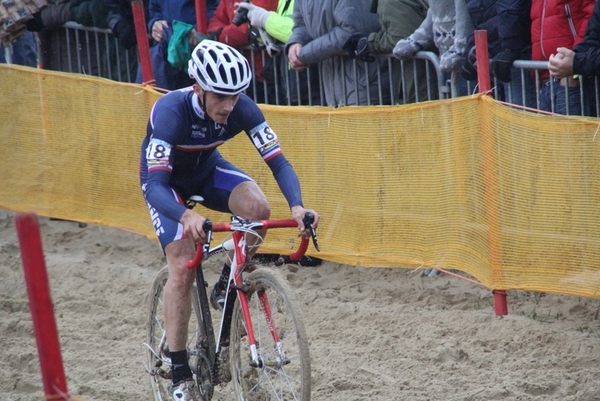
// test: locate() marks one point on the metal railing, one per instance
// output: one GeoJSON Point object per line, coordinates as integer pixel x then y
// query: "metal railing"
{"type": "Point", "coordinates": [97, 52]}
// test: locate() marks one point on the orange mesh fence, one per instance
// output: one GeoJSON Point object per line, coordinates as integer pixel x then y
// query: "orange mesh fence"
{"type": "Point", "coordinates": [508, 196]}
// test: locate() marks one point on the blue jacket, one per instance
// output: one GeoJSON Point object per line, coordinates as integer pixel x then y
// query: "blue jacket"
{"type": "Point", "coordinates": [514, 24]}
{"type": "Point", "coordinates": [180, 10]}
{"type": "Point", "coordinates": [484, 16]}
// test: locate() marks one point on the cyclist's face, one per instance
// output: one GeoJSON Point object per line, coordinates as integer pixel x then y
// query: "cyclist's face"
{"type": "Point", "coordinates": [218, 106]}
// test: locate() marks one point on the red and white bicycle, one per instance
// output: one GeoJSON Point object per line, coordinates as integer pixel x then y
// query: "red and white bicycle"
{"type": "Point", "coordinates": [261, 345]}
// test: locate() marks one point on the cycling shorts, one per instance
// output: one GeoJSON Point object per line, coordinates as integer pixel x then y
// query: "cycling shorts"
{"type": "Point", "coordinates": [215, 186]}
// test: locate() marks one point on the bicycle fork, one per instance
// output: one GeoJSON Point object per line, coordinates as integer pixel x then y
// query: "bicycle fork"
{"type": "Point", "coordinates": [239, 286]}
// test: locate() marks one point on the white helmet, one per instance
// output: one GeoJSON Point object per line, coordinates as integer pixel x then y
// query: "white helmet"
{"type": "Point", "coordinates": [219, 68]}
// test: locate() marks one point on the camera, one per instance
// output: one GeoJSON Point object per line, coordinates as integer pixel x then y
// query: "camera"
{"type": "Point", "coordinates": [241, 15]}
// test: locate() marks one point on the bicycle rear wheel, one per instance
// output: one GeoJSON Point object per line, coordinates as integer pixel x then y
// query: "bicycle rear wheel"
{"type": "Point", "coordinates": [158, 360]}
{"type": "Point", "coordinates": [284, 371]}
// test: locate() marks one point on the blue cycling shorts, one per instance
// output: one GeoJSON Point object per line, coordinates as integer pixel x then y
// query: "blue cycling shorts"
{"type": "Point", "coordinates": [214, 185]}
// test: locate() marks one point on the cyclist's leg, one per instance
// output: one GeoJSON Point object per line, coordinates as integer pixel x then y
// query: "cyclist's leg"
{"type": "Point", "coordinates": [159, 358]}
{"type": "Point", "coordinates": [230, 189]}
{"type": "Point", "coordinates": [177, 304]}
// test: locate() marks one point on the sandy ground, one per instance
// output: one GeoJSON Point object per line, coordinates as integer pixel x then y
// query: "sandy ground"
{"type": "Point", "coordinates": [375, 334]}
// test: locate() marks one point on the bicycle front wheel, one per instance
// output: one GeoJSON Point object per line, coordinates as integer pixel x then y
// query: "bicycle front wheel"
{"type": "Point", "coordinates": [283, 371]}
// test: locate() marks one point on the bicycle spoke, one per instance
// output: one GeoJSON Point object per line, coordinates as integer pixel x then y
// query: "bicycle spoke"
{"type": "Point", "coordinates": [283, 369]}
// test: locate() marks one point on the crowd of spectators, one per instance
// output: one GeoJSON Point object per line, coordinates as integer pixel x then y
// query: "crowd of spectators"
{"type": "Point", "coordinates": [335, 52]}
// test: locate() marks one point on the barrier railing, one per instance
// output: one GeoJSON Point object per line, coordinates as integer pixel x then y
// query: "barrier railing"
{"type": "Point", "coordinates": [85, 50]}
{"type": "Point", "coordinates": [94, 51]}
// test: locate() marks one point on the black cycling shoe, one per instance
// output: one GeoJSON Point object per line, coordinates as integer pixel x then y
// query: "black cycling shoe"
{"type": "Point", "coordinates": [217, 296]}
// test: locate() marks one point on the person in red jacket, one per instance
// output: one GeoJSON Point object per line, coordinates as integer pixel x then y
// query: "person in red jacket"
{"type": "Point", "coordinates": [554, 24]}
{"type": "Point", "coordinates": [222, 29]}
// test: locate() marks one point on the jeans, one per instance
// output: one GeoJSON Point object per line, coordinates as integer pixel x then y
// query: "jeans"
{"type": "Point", "coordinates": [24, 51]}
{"type": "Point", "coordinates": [553, 93]}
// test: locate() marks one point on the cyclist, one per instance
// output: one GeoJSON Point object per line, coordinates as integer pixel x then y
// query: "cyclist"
{"type": "Point", "coordinates": [179, 159]}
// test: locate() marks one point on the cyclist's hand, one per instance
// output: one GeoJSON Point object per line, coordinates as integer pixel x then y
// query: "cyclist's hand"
{"type": "Point", "coordinates": [298, 213]}
{"type": "Point", "coordinates": [192, 226]}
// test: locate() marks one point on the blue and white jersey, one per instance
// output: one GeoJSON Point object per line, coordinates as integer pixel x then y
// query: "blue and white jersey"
{"type": "Point", "coordinates": [181, 142]}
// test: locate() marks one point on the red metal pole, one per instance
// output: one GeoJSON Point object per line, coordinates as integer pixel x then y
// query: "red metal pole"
{"type": "Point", "coordinates": [139, 18]}
{"type": "Point", "coordinates": [201, 17]}
{"type": "Point", "coordinates": [40, 303]}
{"type": "Point", "coordinates": [500, 303]}
{"type": "Point", "coordinates": [483, 76]}
{"type": "Point", "coordinates": [483, 61]}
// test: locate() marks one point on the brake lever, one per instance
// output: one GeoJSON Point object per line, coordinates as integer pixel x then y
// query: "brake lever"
{"type": "Point", "coordinates": [308, 220]}
{"type": "Point", "coordinates": [207, 227]}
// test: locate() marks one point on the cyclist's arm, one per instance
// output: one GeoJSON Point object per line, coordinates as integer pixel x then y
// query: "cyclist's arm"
{"type": "Point", "coordinates": [286, 179]}
{"type": "Point", "coordinates": [267, 144]}
{"type": "Point", "coordinates": [158, 192]}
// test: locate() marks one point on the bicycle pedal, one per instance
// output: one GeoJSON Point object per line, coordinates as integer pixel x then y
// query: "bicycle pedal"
{"type": "Point", "coordinates": [161, 373]}
{"type": "Point", "coordinates": [245, 288]}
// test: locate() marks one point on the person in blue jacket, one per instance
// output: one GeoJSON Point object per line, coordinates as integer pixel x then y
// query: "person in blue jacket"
{"type": "Point", "coordinates": [161, 14]}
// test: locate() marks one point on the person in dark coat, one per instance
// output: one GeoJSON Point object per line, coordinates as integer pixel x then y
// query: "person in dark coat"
{"type": "Point", "coordinates": [399, 19]}
{"type": "Point", "coordinates": [506, 43]}
{"type": "Point", "coordinates": [59, 47]}
{"type": "Point", "coordinates": [584, 59]}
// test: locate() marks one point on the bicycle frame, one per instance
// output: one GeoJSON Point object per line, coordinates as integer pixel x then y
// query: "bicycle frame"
{"type": "Point", "coordinates": [239, 228]}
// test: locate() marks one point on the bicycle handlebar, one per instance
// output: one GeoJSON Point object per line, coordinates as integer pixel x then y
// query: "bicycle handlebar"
{"type": "Point", "coordinates": [238, 223]}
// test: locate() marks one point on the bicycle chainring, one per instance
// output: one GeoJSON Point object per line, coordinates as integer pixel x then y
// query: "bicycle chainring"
{"type": "Point", "coordinates": [204, 377]}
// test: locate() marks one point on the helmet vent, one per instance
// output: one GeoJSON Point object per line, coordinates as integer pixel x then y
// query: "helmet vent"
{"type": "Point", "coordinates": [223, 73]}
{"type": "Point", "coordinates": [211, 73]}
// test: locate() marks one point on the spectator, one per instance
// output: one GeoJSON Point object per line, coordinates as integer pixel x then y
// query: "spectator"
{"type": "Point", "coordinates": [278, 26]}
{"type": "Point", "coordinates": [222, 29]}
{"type": "Point", "coordinates": [399, 19]}
{"type": "Point", "coordinates": [59, 47]}
{"type": "Point", "coordinates": [22, 51]}
{"type": "Point", "coordinates": [514, 31]}
{"type": "Point", "coordinates": [321, 29]}
{"type": "Point", "coordinates": [584, 59]}
{"type": "Point", "coordinates": [483, 17]}
{"type": "Point", "coordinates": [162, 13]}
{"type": "Point", "coordinates": [17, 45]}
{"type": "Point", "coordinates": [490, 15]}
{"type": "Point", "coordinates": [121, 23]}
{"type": "Point", "coordinates": [444, 31]}
{"type": "Point", "coordinates": [554, 24]}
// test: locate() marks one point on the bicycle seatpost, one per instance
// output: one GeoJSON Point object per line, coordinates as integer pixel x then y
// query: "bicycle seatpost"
{"type": "Point", "coordinates": [308, 220]}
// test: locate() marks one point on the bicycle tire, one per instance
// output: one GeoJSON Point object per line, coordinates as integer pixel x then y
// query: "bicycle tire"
{"type": "Point", "coordinates": [274, 380]}
{"type": "Point", "coordinates": [160, 377]}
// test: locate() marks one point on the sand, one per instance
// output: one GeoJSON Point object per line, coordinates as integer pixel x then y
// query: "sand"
{"type": "Point", "coordinates": [375, 334]}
